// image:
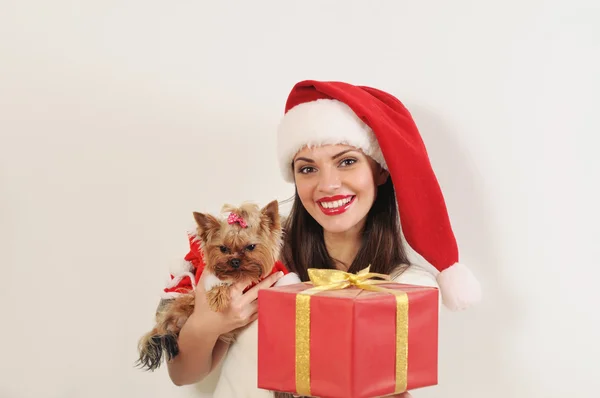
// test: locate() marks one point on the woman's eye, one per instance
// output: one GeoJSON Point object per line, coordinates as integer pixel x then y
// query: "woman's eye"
{"type": "Point", "coordinates": [348, 162]}
{"type": "Point", "coordinates": [306, 170]}
{"type": "Point", "coordinates": [250, 247]}
{"type": "Point", "coordinates": [223, 249]}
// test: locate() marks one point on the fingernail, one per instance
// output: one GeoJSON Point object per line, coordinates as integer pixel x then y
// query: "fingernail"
{"type": "Point", "coordinates": [280, 274]}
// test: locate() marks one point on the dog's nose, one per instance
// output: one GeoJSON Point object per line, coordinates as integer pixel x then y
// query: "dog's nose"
{"type": "Point", "coordinates": [235, 263]}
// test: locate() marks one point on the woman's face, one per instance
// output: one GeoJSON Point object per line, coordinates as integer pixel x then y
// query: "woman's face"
{"type": "Point", "coordinates": [337, 185]}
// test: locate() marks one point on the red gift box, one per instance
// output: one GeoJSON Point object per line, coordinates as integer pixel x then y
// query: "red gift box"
{"type": "Point", "coordinates": [347, 340]}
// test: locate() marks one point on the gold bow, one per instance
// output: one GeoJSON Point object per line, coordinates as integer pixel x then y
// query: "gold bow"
{"type": "Point", "coordinates": [331, 279]}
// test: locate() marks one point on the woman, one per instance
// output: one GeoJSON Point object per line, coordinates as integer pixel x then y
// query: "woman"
{"type": "Point", "coordinates": [358, 163]}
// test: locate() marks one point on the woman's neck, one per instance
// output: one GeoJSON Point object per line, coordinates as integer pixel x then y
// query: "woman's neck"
{"type": "Point", "coordinates": [343, 247]}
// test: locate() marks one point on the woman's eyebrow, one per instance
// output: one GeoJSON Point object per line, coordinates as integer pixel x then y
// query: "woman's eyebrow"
{"type": "Point", "coordinates": [337, 155]}
{"type": "Point", "coordinates": [305, 159]}
{"type": "Point", "coordinates": [342, 153]}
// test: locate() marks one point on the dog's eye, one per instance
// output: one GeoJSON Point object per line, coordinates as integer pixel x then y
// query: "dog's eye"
{"type": "Point", "coordinates": [250, 247]}
{"type": "Point", "coordinates": [223, 249]}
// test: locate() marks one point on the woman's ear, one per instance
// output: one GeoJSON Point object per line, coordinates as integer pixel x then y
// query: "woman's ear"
{"type": "Point", "coordinates": [381, 176]}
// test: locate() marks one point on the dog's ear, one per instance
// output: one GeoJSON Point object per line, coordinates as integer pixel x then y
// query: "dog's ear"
{"type": "Point", "coordinates": [270, 214]}
{"type": "Point", "coordinates": [207, 225]}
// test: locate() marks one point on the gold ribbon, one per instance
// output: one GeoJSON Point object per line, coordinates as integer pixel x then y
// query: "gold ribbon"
{"type": "Point", "coordinates": [330, 279]}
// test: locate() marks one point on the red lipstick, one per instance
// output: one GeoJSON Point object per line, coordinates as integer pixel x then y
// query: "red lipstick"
{"type": "Point", "coordinates": [332, 198]}
{"type": "Point", "coordinates": [337, 208]}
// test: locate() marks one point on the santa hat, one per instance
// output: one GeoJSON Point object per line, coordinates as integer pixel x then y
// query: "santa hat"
{"type": "Point", "coordinates": [319, 113]}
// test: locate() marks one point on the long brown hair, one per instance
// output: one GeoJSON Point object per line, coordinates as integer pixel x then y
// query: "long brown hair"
{"type": "Point", "coordinates": [382, 245]}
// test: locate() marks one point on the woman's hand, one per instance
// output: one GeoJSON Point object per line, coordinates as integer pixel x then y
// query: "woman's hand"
{"type": "Point", "coordinates": [243, 307]}
{"type": "Point", "coordinates": [200, 351]}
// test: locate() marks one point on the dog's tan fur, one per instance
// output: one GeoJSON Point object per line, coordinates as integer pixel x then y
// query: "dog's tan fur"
{"type": "Point", "coordinates": [256, 247]}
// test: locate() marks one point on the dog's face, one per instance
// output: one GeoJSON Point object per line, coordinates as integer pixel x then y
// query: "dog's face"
{"type": "Point", "coordinates": [244, 246]}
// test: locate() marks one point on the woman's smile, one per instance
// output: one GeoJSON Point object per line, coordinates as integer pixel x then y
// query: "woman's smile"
{"type": "Point", "coordinates": [335, 205]}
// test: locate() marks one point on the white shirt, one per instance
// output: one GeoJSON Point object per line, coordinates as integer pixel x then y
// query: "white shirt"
{"type": "Point", "coordinates": [237, 375]}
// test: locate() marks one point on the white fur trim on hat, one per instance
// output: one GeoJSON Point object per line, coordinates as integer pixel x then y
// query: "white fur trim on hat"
{"type": "Point", "coordinates": [322, 122]}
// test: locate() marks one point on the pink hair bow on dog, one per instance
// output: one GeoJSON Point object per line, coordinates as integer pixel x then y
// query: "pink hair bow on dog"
{"type": "Point", "coordinates": [235, 218]}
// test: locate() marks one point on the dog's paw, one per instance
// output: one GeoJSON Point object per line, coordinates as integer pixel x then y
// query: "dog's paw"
{"type": "Point", "coordinates": [152, 348]}
{"type": "Point", "coordinates": [218, 298]}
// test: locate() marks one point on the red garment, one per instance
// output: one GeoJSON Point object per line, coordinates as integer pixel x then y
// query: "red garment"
{"type": "Point", "coordinates": [195, 258]}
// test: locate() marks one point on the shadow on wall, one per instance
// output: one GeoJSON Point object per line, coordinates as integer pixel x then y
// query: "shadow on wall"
{"type": "Point", "coordinates": [475, 349]}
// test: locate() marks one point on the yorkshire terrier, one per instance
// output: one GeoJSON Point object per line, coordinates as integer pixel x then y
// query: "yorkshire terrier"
{"type": "Point", "coordinates": [240, 248]}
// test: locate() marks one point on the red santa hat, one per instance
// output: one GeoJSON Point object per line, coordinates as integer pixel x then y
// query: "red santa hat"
{"type": "Point", "coordinates": [320, 113]}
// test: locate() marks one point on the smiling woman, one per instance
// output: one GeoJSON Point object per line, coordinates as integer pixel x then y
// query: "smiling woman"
{"type": "Point", "coordinates": [361, 177]}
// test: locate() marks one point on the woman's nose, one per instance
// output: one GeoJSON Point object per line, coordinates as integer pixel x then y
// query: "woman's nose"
{"type": "Point", "coordinates": [329, 180]}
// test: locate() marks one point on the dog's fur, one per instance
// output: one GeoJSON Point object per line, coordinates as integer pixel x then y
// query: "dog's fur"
{"type": "Point", "coordinates": [232, 254]}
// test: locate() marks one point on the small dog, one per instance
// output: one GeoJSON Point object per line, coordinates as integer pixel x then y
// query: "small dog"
{"type": "Point", "coordinates": [242, 247]}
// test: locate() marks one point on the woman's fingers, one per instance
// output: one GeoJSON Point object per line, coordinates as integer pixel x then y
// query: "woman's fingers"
{"type": "Point", "coordinates": [237, 289]}
{"type": "Point", "coordinates": [267, 282]}
{"type": "Point", "coordinates": [251, 308]}
{"type": "Point", "coordinates": [252, 294]}
{"type": "Point", "coordinates": [253, 317]}
{"type": "Point", "coordinates": [250, 312]}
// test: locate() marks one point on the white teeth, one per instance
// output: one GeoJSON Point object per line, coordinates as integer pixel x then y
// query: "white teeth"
{"type": "Point", "coordinates": [335, 203]}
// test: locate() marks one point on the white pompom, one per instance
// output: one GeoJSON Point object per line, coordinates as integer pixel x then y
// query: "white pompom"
{"type": "Point", "coordinates": [459, 287]}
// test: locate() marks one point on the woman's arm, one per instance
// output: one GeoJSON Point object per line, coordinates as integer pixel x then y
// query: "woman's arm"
{"type": "Point", "coordinates": [200, 351]}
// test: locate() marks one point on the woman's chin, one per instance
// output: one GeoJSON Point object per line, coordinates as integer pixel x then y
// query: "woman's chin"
{"type": "Point", "coordinates": [337, 224]}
